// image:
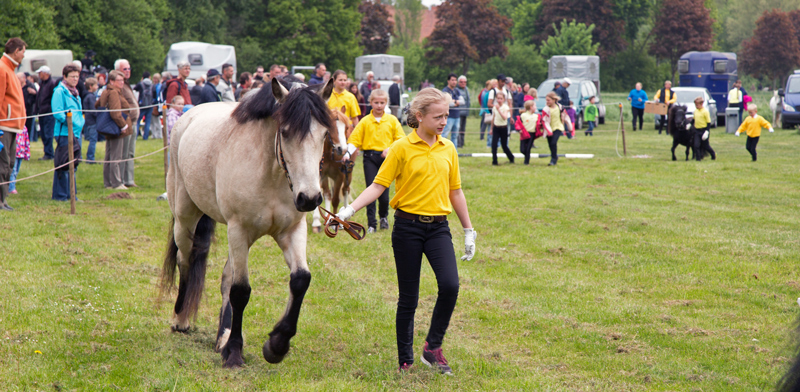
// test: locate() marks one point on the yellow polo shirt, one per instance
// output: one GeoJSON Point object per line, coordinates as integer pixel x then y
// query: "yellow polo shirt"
{"type": "Point", "coordinates": [735, 95]}
{"type": "Point", "coordinates": [752, 126]}
{"type": "Point", "coordinates": [701, 118]}
{"type": "Point", "coordinates": [424, 175]}
{"type": "Point", "coordinates": [346, 99]}
{"type": "Point", "coordinates": [374, 135]}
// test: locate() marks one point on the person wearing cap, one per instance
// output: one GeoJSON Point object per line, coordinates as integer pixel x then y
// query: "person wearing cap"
{"type": "Point", "coordinates": [13, 108]}
{"type": "Point", "coordinates": [178, 86]}
{"type": "Point", "coordinates": [210, 93]}
{"type": "Point", "coordinates": [46, 121]}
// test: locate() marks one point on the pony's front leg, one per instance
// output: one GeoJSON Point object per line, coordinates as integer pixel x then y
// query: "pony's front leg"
{"type": "Point", "coordinates": [235, 279]}
{"type": "Point", "coordinates": [293, 244]}
{"type": "Point", "coordinates": [674, 145]}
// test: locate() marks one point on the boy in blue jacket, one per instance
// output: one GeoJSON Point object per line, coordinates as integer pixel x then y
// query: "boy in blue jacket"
{"type": "Point", "coordinates": [637, 97]}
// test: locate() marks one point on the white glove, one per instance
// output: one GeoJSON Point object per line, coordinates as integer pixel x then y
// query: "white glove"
{"type": "Point", "coordinates": [705, 135]}
{"type": "Point", "coordinates": [771, 130]}
{"type": "Point", "coordinates": [469, 244]}
{"type": "Point", "coordinates": [688, 126]}
{"type": "Point", "coordinates": [737, 133]}
{"type": "Point", "coordinates": [346, 213]}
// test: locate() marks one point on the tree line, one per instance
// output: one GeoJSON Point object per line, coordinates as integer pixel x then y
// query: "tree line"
{"type": "Point", "coordinates": [638, 40]}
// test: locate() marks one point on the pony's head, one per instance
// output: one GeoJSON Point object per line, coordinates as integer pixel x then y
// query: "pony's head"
{"type": "Point", "coordinates": [343, 130]}
{"type": "Point", "coordinates": [677, 119]}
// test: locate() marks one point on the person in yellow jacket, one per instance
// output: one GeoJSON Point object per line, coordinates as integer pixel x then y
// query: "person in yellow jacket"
{"type": "Point", "coordinates": [341, 97]}
{"type": "Point", "coordinates": [374, 134]}
{"type": "Point", "coordinates": [701, 135]}
{"type": "Point", "coordinates": [665, 95]}
{"type": "Point", "coordinates": [752, 127]}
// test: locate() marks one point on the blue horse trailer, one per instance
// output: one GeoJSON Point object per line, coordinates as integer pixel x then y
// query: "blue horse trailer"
{"type": "Point", "coordinates": [715, 71]}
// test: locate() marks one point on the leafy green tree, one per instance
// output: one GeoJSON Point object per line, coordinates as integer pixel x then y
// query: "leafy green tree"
{"type": "Point", "coordinates": [408, 22]}
{"type": "Point", "coordinates": [197, 20]}
{"type": "Point", "coordinates": [523, 63]}
{"type": "Point", "coordinates": [525, 16]}
{"type": "Point", "coordinates": [634, 13]}
{"type": "Point", "coordinates": [609, 29]}
{"type": "Point", "coordinates": [30, 20]}
{"type": "Point", "coordinates": [417, 67]}
{"type": "Point", "coordinates": [741, 18]}
{"type": "Point", "coordinates": [571, 39]}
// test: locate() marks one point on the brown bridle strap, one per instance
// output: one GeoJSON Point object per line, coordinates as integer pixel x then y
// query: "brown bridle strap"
{"type": "Point", "coordinates": [333, 223]}
{"type": "Point", "coordinates": [282, 162]}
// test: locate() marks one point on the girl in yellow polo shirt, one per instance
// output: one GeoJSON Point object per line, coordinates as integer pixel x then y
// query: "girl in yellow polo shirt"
{"type": "Point", "coordinates": [427, 189]}
{"type": "Point", "coordinates": [341, 97]}
{"type": "Point", "coordinates": [701, 133]}
{"type": "Point", "coordinates": [373, 135]}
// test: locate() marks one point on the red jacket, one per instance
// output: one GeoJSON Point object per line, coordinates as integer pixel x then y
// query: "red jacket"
{"type": "Point", "coordinates": [12, 104]}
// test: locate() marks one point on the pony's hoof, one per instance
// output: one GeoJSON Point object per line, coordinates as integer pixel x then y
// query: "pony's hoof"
{"type": "Point", "coordinates": [222, 341]}
{"type": "Point", "coordinates": [316, 230]}
{"type": "Point", "coordinates": [269, 355]}
{"type": "Point", "coordinates": [674, 159]}
{"type": "Point", "coordinates": [234, 360]}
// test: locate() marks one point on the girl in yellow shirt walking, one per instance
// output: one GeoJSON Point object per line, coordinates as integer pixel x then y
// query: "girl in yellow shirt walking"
{"type": "Point", "coordinates": [701, 133]}
{"type": "Point", "coordinates": [427, 189]}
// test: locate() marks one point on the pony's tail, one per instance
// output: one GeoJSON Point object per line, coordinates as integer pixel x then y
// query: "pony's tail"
{"type": "Point", "coordinates": [196, 278]}
{"type": "Point", "coordinates": [791, 380]}
{"type": "Point", "coordinates": [170, 262]}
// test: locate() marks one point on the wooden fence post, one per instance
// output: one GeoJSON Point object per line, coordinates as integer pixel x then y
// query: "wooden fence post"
{"type": "Point", "coordinates": [622, 127]}
{"type": "Point", "coordinates": [71, 175]}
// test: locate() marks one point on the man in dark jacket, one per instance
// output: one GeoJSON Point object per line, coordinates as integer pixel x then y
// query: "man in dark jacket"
{"type": "Point", "coordinates": [210, 93]}
{"type": "Point", "coordinates": [43, 98]}
{"type": "Point", "coordinates": [394, 96]}
{"type": "Point", "coordinates": [29, 95]}
{"type": "Point", "coordinates": [197, 89]}
{"type": "Point", "coordinates": [319, 75]}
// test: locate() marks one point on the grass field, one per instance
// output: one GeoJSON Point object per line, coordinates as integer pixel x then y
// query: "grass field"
{"type": "Point", "coordinates": [607, 274]}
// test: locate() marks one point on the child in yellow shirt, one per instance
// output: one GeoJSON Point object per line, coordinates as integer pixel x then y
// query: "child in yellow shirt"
{"type": "Point", "coordinates": [701, 134]}
{"type": "Point", "coordinates": [529, 119]}
{"type": "Point", "coordinates": [752, 126]}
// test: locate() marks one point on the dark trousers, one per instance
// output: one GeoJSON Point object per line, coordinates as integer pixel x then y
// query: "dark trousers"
{"type": "Point", "coordinates": [525, 148]}
{"type": "Point", "coordinates": [373, 162]}
{"type": "Point", "coordinates": [500, 135]}
{"type": "Point", "coordinates": [410, 240]}
{"type": "Point", "coordinates": [8, 159]}
{"type": "Point", "coordinates": [90, 134]}
{"type": "Point", "coordinates": [662, 123]}
{"type": "Point", "coordinates": [484, 126]}
{"type": "Point", "coordinates": [702, 146]}
{"type": "Point", "coordinates": [47, 123]}
{"type": "Point", "coordinates": [752, 142]}
{"type": "Point", "coordinates": [637, 113]}
{"type": "Point", "coordinates": [31, 124]}
{"type": "Point", "coordinates": [61, 177]}
{"type": "Point", "coordinates": [147, 114]}
{"type": "Point", "coordinates": [461, 131]}
{"type": "Point", "coordinates": [552, 141]}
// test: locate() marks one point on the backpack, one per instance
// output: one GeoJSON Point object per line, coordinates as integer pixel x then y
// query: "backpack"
{"type": "Point", "coordinates": [147, 95]}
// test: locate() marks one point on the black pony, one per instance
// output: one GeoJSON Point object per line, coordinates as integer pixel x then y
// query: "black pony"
{"type": "Point", "coordinates": [681, 129]}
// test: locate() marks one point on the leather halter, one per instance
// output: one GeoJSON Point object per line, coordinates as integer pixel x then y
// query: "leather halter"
{"type": "Point", "coordinates": [282, 161]}
{"type": "Point", "coordinates": [333, 223]}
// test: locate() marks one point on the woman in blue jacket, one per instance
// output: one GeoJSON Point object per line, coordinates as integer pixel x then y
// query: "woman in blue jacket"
{"type": "Point", "coordinates": [66, 97]}
{"type": "Point", "coordinates": [637, 97]}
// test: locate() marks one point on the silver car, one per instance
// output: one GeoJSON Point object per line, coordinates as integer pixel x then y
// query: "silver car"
{"type": "Point", "coordinates": [686, 97]}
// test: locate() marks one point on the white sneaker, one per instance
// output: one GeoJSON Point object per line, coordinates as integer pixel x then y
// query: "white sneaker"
{"type": "Point", "coordinates": [121, 188]}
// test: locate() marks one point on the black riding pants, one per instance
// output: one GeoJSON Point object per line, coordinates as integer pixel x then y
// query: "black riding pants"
{"type": "Point", "coordinates": [702, 146]}
{"type": "Point", "coordinates": [525, 148]}
{"type": "Point", "coordinates": [637, 113]}
{"type": "Point", "coordinates": [373, 162]}
{"type": "Point", "coordinates": [500, 135]}
{"type": "Point", "coordinates": [552, 141]}
{"type": "Point", "coordinates": [752, 142]}
{"type": "Point", "coordinates": [410, 240]}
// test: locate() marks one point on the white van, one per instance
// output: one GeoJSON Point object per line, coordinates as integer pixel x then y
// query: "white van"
{"type": "Point", "coordinates": [201, 56]}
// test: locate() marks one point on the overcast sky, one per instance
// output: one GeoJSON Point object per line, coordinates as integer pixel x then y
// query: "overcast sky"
{"type": "Point", "coordinates": [429, 3]}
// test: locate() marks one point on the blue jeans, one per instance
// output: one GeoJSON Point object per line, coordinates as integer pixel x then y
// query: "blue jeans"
{"type": "Point", "coordinates": [13, 185]}
{"type": "Point", "coordinates": [147, 114]}
{"type": "Point", "coordinates": [47, 123]}
{"type": "Point", "coordinates": [591, 127]}
{"type": "Point", "coordinates": [90, 134]}
{"type": "Point", "coordinates": [451, 129]}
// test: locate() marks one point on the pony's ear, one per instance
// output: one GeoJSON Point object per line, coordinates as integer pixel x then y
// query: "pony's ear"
{"type": "Point", "coordinates": [326, 91]}
{"type": "Point", "coordinates": [278, 91]}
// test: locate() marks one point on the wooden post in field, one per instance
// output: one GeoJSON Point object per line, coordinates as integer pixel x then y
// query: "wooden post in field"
{"type": "Point", "coordinates": [622, 128]}
{"type": "Point", "coordinates": [165, 140]}
{"type": "Point", "coordinates": [71, 172]}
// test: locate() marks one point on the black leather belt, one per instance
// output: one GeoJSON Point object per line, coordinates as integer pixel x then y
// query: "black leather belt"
{"type": "Point", "coordinates": [372, 152]}
{"type": "Point", "coordinates": [420, 218]}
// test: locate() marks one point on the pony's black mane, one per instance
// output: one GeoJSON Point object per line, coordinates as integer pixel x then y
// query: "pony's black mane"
{"type": "Point", "coordinates": [294, 114]}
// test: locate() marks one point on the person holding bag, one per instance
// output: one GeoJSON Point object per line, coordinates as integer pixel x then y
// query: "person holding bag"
{"type": "Point", "coordinates": [113, 101]}
{"type": "Point", "coordinates": [66, 97]}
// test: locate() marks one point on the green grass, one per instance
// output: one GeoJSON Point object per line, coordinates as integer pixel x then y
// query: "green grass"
{"type": "Point", "coordinates": [606, 274]}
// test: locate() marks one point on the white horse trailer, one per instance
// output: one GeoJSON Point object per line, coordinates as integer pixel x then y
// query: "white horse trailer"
{"type": "Point", "coordinates": [56, 59]}
{"type": "Point", "coordinates": [201, 56]}
{"type": "Point", "coordinates": [384, 66]}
